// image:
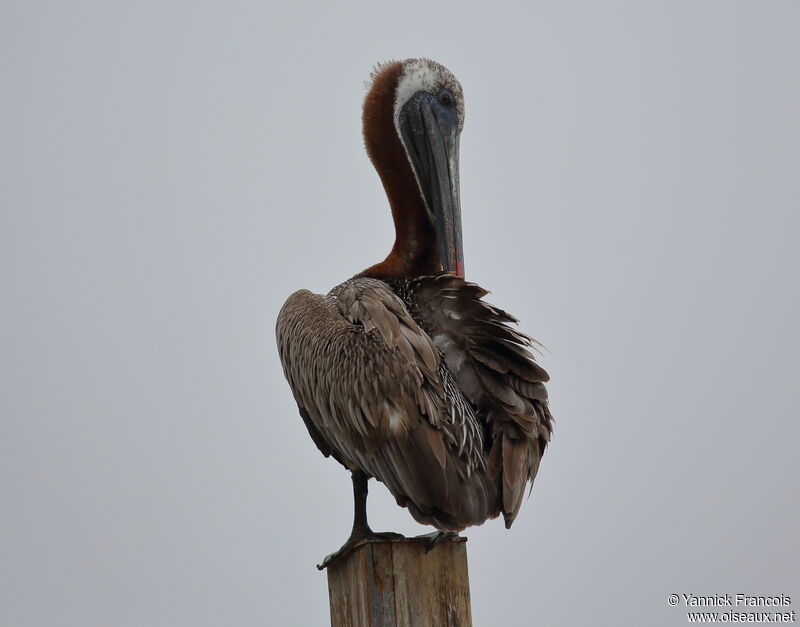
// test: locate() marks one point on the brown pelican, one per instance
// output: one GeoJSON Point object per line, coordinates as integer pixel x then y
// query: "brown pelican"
{"type": "Point", "coordinates": [403, 372]}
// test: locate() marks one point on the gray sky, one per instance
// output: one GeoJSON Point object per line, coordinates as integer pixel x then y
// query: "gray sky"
{"type": "Point", "coordinates": [172, 171]}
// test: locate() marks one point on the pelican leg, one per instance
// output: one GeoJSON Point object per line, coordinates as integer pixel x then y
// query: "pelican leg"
{"type": "Point", "coordinates": [361, 530]}
{"type": "Point", "coordinates": [437, 537]}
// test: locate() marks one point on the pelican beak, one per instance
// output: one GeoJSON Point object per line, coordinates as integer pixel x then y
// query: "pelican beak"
{"type": "Point", "coordinates": [430, 134]}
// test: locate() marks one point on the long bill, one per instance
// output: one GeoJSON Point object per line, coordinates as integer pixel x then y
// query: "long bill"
{"type": "Point", "coordinates": [431, 134]}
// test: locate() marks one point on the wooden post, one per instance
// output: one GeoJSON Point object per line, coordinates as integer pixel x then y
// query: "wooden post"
{"type": "Point", "coordinates": [394, 583]}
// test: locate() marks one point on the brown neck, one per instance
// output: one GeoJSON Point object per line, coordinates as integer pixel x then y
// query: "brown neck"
{"type": "Point", "coordinates": [415, 251]}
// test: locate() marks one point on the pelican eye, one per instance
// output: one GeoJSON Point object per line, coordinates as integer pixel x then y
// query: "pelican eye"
{"type": "Point", "coordinates": [445, 98]}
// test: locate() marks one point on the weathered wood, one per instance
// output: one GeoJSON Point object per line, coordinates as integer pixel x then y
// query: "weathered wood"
{"type": "Point", "coordinates": [394, 583]}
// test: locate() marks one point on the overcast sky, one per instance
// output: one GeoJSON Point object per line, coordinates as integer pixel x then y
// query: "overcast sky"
{"type": "Point", "coordinates": [172, 171]}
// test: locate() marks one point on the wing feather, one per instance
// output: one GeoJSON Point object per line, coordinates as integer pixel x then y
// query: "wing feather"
{"type": "Point", "coordinates": [373, 387]}
{"type": "Point", "coordinates": [493, 367]}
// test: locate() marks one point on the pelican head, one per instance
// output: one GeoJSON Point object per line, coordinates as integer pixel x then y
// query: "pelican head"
{"type": "Point", "coordinates": [421, 105]}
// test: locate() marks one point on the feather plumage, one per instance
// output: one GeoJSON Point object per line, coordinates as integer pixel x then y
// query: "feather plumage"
{"type": "Point", "coordinates": [424, 386]}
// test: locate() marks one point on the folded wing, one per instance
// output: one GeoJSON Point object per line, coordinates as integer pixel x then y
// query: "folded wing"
{"type": "Point", "coordinates": [375, 393]}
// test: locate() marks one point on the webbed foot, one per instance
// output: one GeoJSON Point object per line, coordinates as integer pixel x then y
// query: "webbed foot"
{"type": "Point", "coordinates": [436, 538]}
{"type": "Point", "coordinates": [353, 541]}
